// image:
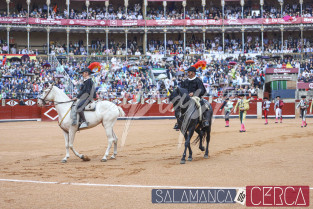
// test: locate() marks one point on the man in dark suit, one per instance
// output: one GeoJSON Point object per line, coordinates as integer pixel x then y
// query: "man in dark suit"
{"type": "Point", "coordinates": [86, 94]}
{"type": "Point", "coordinates": [195, 88]}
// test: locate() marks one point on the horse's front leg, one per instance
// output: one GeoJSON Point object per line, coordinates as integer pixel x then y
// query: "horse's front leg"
{"type": "Point", "coordinates": [187, 145]}
{"type": "Point", "coordinates": [67, 155]}
{"type": "Point", "coordinates": [183, 159]}
{"type": "Point", "coordinates": [190, 134]}
{"type": "Point", "coordinates": [72, 133]}
{"type": "Point", "coordinates": [190, 152]}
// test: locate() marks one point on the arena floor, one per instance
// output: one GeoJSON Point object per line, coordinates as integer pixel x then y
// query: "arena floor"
{"type": "Point", "coordinates": [276, 154]}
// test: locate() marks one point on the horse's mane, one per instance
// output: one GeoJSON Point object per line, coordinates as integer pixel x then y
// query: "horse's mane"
{"type": "Point", "coordinates": [61, 93]}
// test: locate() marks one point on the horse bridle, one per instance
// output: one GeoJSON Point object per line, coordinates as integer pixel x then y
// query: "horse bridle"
{"type": "Point", "coordinates": [44, 99]}
{"type": "Point", "coordinates": [55, 103]}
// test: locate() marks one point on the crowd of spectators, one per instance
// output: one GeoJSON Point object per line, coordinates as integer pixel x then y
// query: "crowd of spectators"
{"type": "Point", "coordinates": [194, 45]}
{"type": "Point", "coordinates": [134, 12]}
{"type": "Point", "coordinates": [100, 13]}
{"type": "Point", "coordinates": [134, 79]}
{"type": "Point", "coordinates": [233, 45]}
{"type": "Point", "coordinates": [306, 72]}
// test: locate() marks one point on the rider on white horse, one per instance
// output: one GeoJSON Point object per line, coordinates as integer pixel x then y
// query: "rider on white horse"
{"type": "Point", "coordinates": [86, 94]}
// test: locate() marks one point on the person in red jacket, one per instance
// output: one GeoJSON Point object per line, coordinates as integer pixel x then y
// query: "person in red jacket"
{"type": "Point", "coordinates": [266, 106]}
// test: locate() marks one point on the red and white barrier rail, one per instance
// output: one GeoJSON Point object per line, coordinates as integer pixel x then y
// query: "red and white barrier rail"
{"type": "Point", "coordinates": [149, 108]}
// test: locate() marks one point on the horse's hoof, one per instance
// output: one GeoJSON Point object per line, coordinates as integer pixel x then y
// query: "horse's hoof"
{"type": "Point", "coordinates": [182, 161]}
{"type": "Point", "coordinates": [113, 158]}
{"type": "Point", "coordinates": [189, 158]}
{"type": "Point", "coordinates": [206, 156]}
{"type": "Point", "coordinates": [63, 161]}
{"type": "Point", "coordinates": [103, 160]}
{"type": "Point", "coordinates": [85, 158]}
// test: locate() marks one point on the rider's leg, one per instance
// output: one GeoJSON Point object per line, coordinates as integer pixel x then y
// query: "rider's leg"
{"type": "Point", "coordinates": [177, 111]}
{"type": "Point", "coordinates": [80, 110]}
{"type": "Point", "coordinates": [84, 123]}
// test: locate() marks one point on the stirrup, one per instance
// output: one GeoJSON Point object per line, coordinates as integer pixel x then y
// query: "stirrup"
{"type": "Point", "coordinates": [84, 125]}
{"type": "Point", "coordinates": [177, 127]}
{"type": "Point", "coordinates": [206, 124]}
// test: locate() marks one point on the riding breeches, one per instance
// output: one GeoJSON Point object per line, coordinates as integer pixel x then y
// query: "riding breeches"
{"type": "Point", "coordinates": [278, 113]}
{"type": "Point", "coordinates": [303, 114]}
{"type": "Point", "coordinates": [227, 114]}
{"type": "Point", "coordinates": [242, 116]}
{"type": "Point", "coordinates": [81, 105]}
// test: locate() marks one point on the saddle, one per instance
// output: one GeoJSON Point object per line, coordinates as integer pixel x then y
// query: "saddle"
{"type": "Point", "coordinates": [91, 106]}
{"type": "Point", "coordinates": [202, 105]}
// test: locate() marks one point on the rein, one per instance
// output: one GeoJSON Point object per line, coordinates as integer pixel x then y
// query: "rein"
{"type": "Point", "coordinates": [44, 99]}
{"type": "Point", "coordinates": [60, 123]}
{"type": "Point", "coordinates": [55, 102]}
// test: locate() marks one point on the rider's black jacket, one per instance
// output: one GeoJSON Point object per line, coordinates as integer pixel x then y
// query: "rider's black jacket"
{"type": "Point", "coordinates": [195, 86]}
{"type": "Point", "coordinates": [86, 88]}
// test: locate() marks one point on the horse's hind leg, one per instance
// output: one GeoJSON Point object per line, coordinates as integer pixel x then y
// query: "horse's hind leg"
{"type": "Point", "coordinates": [200, 132]}
{"type": "Point", "coordinates": [208, 138]}
{"type": "Point", "coordinates": [115, 146]}
{"type": "Point", "coordinates": [110, 135]}
{"type": "Point", "coordinates": [66, 137]}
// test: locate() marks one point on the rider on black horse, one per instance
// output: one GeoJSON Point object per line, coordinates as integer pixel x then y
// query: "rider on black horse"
{"type": "Point", "coordinates": [195, 87]}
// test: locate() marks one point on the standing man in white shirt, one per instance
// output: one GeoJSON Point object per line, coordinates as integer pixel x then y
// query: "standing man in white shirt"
{"type": "Point", "coordinates": [278, 109]}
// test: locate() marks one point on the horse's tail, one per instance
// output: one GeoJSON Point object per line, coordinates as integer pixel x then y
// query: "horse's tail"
{"type": "Point", "coordinates": [198, 138]}
{"type": "Point", "coordinates": [121, 111]}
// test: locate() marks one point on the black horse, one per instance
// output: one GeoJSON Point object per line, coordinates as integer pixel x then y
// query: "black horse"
{"type": "Point", "coordinates": [187, 113]}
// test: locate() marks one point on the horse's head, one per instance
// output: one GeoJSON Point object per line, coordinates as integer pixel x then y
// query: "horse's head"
{"type": "Point", "coordinates": [178, 96]}
{"type": "Point", "coordinates": [46, 96]}
{"type": "Point", "coordinates": [173, 94]}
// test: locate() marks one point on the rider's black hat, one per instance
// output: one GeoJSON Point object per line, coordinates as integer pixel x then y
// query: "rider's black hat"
{"type": "Point", "coordinates": [193, 69]}
{"type": "Point", "coordinates": [86, 70]}
{"type": "Point", "coordinates": [303, 96]}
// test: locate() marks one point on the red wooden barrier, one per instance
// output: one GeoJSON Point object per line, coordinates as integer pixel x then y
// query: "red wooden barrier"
{"type": "Point", "coordinates": [11, 110]}
{"type": "Point", "coordinates": [49, 113]}
{"type": "Point", "coordinates": [288, 109]}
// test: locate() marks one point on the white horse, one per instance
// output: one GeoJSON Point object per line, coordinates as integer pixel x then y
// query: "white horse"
{"type": "Point", "coordinates": [106, 113]}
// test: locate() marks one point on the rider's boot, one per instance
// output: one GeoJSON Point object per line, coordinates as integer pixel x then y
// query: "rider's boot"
{"type": "Point", "coordinates": [84, 124]}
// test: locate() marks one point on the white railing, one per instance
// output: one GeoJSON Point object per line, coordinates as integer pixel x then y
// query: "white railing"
{"type": "Point", "coordinates": [63, 75]}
